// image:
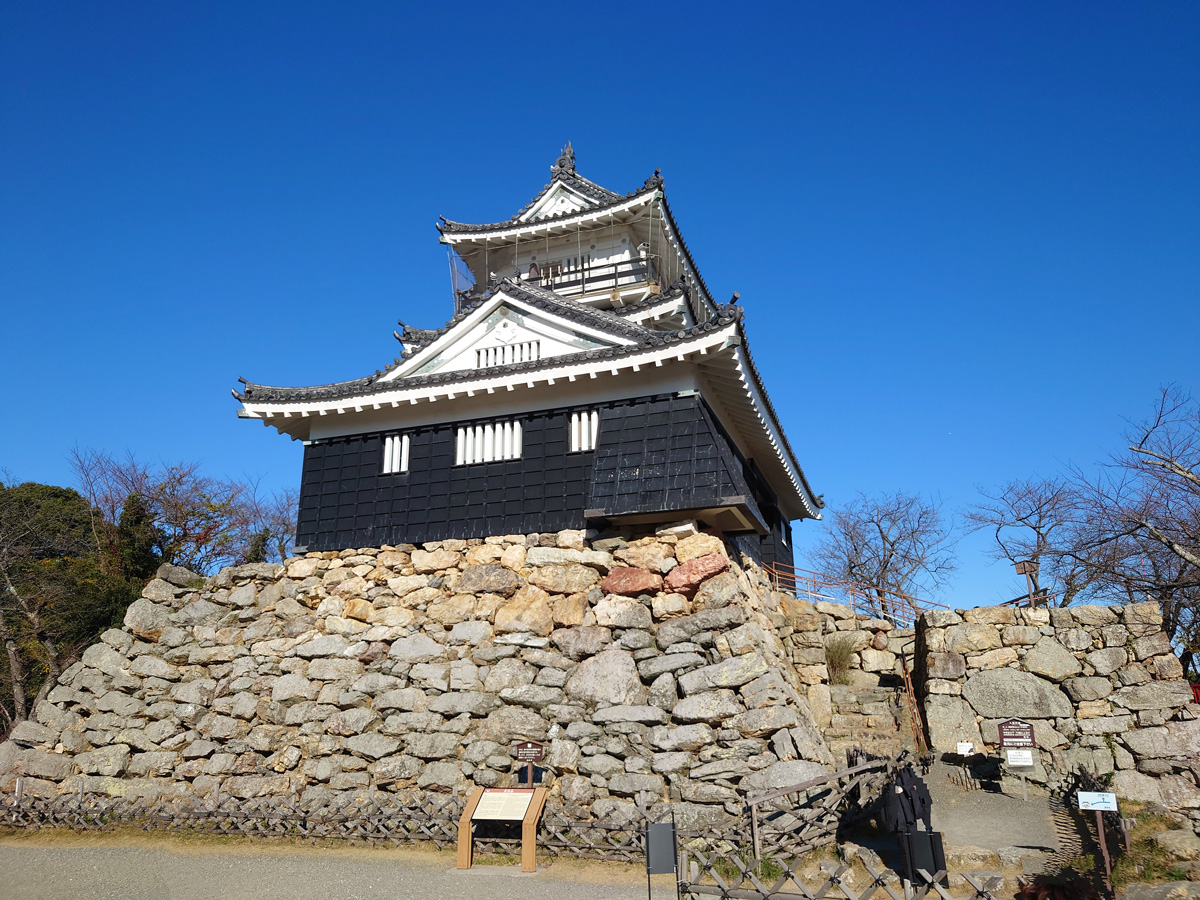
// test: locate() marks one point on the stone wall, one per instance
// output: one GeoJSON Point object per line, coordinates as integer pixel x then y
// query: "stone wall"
{"type": "Point", "coordinates": [653, 668]}
{"type": "Point", "coordinates": [1100, 684]}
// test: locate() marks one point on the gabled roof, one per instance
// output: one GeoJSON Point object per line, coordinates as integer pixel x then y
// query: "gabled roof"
{"type": "Point", "coordinates": [379, 382]}
{"type": "Point", "coordinates": [593, 197]}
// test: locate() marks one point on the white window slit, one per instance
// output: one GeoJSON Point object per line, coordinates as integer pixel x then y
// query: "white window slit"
{"type": "Point", "coordinates": [595, 429]}
{"type": "Point", "coordinates": [404, 445]}
{"type": "Point", "coordinates": [517, 439]}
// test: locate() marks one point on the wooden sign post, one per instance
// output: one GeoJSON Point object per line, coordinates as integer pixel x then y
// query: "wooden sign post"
{"type": "Point", "coordinates": [529, 752]}
{"type": "Point", "coordinates": [522, 805]}
{"type": "Point", "coordinates": [1017, 739]}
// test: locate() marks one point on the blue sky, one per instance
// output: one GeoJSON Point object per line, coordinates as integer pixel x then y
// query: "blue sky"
{"type": "Point", "coordinates": [967, 236]}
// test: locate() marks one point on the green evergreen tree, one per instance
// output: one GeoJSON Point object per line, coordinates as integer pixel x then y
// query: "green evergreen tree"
{"type": "Point", "coordinates": [137, 539]}
{"type": "Point", "coordinates": [259, 544]}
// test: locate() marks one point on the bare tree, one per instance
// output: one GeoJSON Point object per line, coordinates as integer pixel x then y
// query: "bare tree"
{"type": "Point", "coordinates": [1140, 527]}
{"type": "Point", "coordinates": [1038, 520]}
{"type": "Point", "coordinates": [201, 522]}
{"type": "Point", "coordinates": [895, 544]}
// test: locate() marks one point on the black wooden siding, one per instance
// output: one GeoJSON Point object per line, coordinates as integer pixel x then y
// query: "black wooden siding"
{"type": "Point", "coordinates": [654, 454]}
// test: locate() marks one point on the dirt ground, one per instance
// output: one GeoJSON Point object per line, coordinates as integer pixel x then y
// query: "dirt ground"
{"type": "Point", "coordinates": [132, 866]}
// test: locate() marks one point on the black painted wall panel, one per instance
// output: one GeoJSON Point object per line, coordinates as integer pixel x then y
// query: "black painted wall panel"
{"type": "Point", "coordinates": [654, 454]}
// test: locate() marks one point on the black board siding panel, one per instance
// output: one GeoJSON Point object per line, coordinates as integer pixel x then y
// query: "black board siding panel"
{"type": "Point", "coordinates": [664, 453]}
{"type": "Point", "coordinates": [654, 454]}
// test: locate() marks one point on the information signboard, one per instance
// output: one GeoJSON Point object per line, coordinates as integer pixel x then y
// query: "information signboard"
{"type": "Point", "coordinates": [529, 751]}
{"type": "Point", "coordinates": [1016, 733]}
{"type": "Point", "coordinates": [502, 805]}
{"type": "Point", "coordinates": [1020, 758]}
{"type": "Point", "coordinates": [1103, 801]}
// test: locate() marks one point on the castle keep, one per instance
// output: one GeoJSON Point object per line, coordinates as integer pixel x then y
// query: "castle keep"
{"type": "Point", "coordinates": [587, 378]}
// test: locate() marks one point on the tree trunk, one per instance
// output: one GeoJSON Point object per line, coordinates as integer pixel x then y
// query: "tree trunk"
{"type": "Point", "coordinates": [15, 672]}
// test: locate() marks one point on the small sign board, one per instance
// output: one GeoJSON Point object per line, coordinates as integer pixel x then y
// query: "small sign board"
{"type": "Point", "coordinates": [529, 751]}
{"type": "Point", "coordinates": [1020, 758]}
{"type": "Point", "coordinates": [1103, 801]}
{"type": "Point", "coordinates": [502, 805]}
{"type": "Point", "coordinates": [965, 748]}
{"type": "Point", "coordinates": [1016, 733]}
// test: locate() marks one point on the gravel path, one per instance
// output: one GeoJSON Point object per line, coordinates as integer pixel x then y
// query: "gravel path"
{"type": "Point", "coordinates": [49, 867]}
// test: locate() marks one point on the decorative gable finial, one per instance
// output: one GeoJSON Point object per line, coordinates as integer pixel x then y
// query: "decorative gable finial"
{"type": "Point", "coordinates": [565, 164]}
{"type": "Point", "coordinates": [654, 181]}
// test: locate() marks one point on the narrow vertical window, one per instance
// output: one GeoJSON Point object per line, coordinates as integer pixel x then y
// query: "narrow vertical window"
{"type": "Point", "coordinates": [583, 430]}
{"type": "Point", "coordinates": [395, 454]}
{"type": "Point", "coordinates": [492, 442]}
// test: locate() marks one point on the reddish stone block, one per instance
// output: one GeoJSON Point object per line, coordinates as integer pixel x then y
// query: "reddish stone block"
{"type": "Point", "coordinates": [630, 582]}
{"type": "Point", "coordinates": [686, 577]}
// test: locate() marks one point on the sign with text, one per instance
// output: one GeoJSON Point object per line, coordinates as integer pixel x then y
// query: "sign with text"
{"type": "Point", "coordinates": [502, 805]}
{"type": "Point", "coordinates": [1016, 733]}
{"type": "Point", "coordinates": [1103, 801]}
{"type": "Point", "coordinates": [529, 751]}
{"type": "Point", "coordinates": [965, 748]}
{"type": "Point", "coordinates": [1020, 758]}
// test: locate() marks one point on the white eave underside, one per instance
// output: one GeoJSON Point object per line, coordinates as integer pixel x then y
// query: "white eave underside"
{"type": "Point", "coordinates": [719, 357]}
{"type": "Point", "coordinates": [539, 226]}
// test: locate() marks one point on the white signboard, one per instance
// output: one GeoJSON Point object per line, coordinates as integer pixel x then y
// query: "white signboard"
{"type": "Point", "coordinates": [1103, 801]}
{"type": "Point", "coordinates": [1020, 757]}
{"type": "Point", "coordinates": [965, 748]}
{"type": "Point", "coordinates": [503, 804]}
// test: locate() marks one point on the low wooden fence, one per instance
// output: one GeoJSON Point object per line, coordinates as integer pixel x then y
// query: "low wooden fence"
{"type": "Point", "coordinates": [731, 877]}
{"type": "Point", "coordinates": [791, 821]}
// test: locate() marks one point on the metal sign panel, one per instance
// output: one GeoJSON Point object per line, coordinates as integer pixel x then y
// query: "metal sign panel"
{"type": "Point", "coordinates": [1016, 733]}
{"type": "Point", "coordinates": [1098, 800]}
{"type": "Point", "coordinates": [529, 751]}
{"type": "Point", "coordinates": [1020, 758]}
{"type": "Point", "coordinates": [660, 848]}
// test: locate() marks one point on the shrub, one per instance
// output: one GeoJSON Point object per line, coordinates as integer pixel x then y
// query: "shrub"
{"type": "Point", "coordinates": [839, 654]}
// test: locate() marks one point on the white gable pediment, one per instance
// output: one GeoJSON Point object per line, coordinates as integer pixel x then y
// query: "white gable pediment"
{"type": "Point", "coordinates": [559, 200]}
{"type": "Point", "coordinates": [502, 332]}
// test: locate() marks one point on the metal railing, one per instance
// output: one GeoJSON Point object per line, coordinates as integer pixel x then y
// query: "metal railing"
{"type": "Point", "coordinates": [894, 606]}
{"type": "Point", "coordinates": [569, 275]}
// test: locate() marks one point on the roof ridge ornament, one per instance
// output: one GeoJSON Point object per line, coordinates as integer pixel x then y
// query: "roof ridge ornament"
{"type": "Point", "coordinates": [654, 181]}
{"type": "Point", "coordinates": [565, 164]}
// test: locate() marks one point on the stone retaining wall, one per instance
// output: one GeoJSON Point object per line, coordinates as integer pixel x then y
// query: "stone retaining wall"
{"type": "Point", "coordinates": [1101, 685]}
{"type": "Point", "coordinates": [652, 667]}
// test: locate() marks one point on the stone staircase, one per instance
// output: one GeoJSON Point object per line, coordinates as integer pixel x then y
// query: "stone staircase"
{"type": "Point", "coordinates": [875, 718]}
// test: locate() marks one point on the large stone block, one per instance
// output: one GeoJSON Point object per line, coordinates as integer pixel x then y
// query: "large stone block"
{"type": "Point", "coordinates": [712, 707]}
{"type": "Point", "coordinates": [622, 612]}
{"type": "Point", "coordinates": [1051, 659]}
{"type": "Point", "coordinates": [950, 720]}
{"type": "Point", "coordinates": [1153, 695]}
{"type": "Point", "coordinates": [683, 737]}
{"type": "Point", "coordinates": [946, 666]}
{"type": "Point", "coordinates": [684, 628]}
{"type": "Point", "coordinates": [609, 678]}
{"type": "Point", "coordinates": [729, 673]}
{"type": "Point", "coordinates": [968, 638]}
{"type": "Point", "coordinates": [528, 611]}
{"type": "Point", "coordinates": [631, 582]}
{"type": "Point", "coordinates": [1090, 688]}
{"type": "Point", "coordinates": [1005, 693]}
{"type": "Point", "coordinates": [1175, 739]}
{"type": "Point", "coordinates": [687, 577]}
{"type": "Point", "coordinates": [487, 579]}
{"type": "Point", "coordinates": [781, 775]}
{"type": "Point", "coordinates": [1107, 660]}
{"type": "Point", "coordinates": [1136, 786]}
{"type": "Point", "coordinates": [147, 619]}
{"type": "Point", "coordinates": [571, 578]}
